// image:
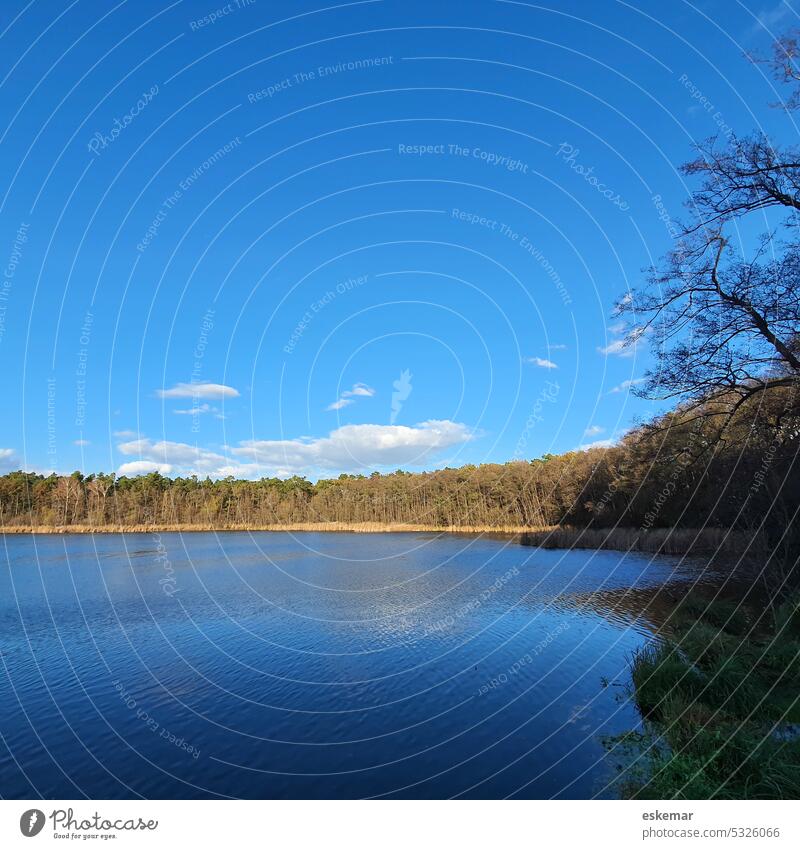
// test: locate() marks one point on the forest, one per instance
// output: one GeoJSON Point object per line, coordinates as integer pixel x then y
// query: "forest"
{"type": "Point", "coordinates": [692, 468]}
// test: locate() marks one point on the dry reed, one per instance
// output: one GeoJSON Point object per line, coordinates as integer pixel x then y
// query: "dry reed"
{"type": "Point", "coordinates": [704, 541]}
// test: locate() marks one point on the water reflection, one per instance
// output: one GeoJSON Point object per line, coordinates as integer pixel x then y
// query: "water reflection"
{"type": "Point", "coordinates": [318, 665]}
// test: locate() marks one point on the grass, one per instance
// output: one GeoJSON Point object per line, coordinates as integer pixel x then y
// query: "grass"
{"type": "Point", "coordinates": [720, 698]}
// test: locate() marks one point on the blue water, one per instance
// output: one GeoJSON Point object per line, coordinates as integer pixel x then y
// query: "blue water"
{"type": "Point", "coordinates": [282, 665]}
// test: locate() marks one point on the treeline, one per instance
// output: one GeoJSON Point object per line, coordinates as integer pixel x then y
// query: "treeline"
{"type": "Point", "coordinates": [688, 469]}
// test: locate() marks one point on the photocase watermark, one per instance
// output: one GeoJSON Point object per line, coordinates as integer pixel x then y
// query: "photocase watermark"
{"type": "Point", "coordinates": [10, 271]}
{"type": "Point", "coordinates": [706, 105]}
{"type": "Point", "coordinates": [206, 326]}
{"type": "Point", "coordinates": [318, 73]}
{"type": "Point", "coordinates": [161, 216]}
{"type": "Point", "coordinates": [168, 583]}
{"type": "Point", "coordinates": [488, 157]}
{"type": "Point", "coordinates": [32, 822]}
{"type": "Point", "coordinates": [187, 182]}
{"type": "Point", "coordinates": [768, 457]}
{"type": "Point", "coordinates": [184, 185]}
{"type": "Point", "coordinates": [100, 141]}
{"type": "Point", "coordinates": [611, 490]}
{"type": "Point", "coordinates": [80, 370]}
{"type": "Point", "coordinates": [548, 269]}
{"type": "Point", "coordinates": [446, 622]}
{"type": "Point", "coordinates": [679, 465]}
{"type": "Point", "coordinates": [152, 723]}
{"type": "Point", "coordinates": [760, 477]}
{"type": "Point", "coordinates": [505, 230]}
{"type": "Point", "coordinates": [548, 395]}
{"type": "Point", "coordinates": [52, 449]}
{"type": "Point", "coordinates": [569, 154]}
{"type": "Point", "coordinates": [94, 826]}
{"type": "Point", "coordinates": [218, 14]}
{"type": "Point", "coordinates": [522, 662]}
{"type": "Point", "coordinates": [672, 228]}
{"type": "Point", "coordinates": [401, 389]}
{"type": "Point", "coordinates": [318, 305]}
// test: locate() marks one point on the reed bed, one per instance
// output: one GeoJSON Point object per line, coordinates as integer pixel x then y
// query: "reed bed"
{"type": "Point", "coordinates": [350, 527]}
{"type": "Point", "coordinates": [701, 541]}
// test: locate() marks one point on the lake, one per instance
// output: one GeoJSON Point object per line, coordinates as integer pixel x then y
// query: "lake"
{"type": "Point", "coordinates": [318, 665]}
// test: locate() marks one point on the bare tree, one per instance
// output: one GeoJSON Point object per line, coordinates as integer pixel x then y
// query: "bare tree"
{"type": "Point", "coordinates": [783, 62]}
{"type": "Point", "coordinates": [726, 329]}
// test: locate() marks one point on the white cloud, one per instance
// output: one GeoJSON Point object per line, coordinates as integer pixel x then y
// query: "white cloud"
{"type": "Point", "coordinates": [358, 447]}
{"type": "Point", "coordinates": [359, 389]}
{"type": "Point", "coordinates": [619, 347]}
{"type": "Point", "coordinates": [770, 18]}
{"type": "Point", "coordinates": [8, 460]}
{"type": "Point", "coordinates": [196, 411]}
{"type": "Point", "coordinates": [347, 449]}
{"type": "Point", "coordinates": [198, 390]}
{"type": "Point", "coordinates": [557, 347]}
{"type": "Point", "coordinates": [126, 434]}
{"type": "Point", "coordinates": [143, 467]}
{"type": "Point", "coordinates": [600, 443]}
{"type": "Point", "coordinates": [81, 442]}
{"type": "Point", "coordinates": [626, 345]}
{"type": "Point", "coordinates": [627, 385]}
{"type": "Point", "coordinates": [540, 362]}
{"type": "Point", "coordinates": [337, 405]}
{"type": "Point", "coordinates": [170, 453]}
{"type": "Point", "coordinates": [593, 430]}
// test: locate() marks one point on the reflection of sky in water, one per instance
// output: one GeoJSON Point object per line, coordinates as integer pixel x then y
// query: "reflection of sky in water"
{"type": "Point", "coordinates": [319, 664]}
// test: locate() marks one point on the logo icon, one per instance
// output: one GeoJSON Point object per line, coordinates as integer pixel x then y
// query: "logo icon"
{"type": "Point", "coordinates": [31, 822]}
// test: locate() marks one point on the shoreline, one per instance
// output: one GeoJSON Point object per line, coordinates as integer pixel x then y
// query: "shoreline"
{"type": "Point", "coordinates": [707, 542]}
{"type": "Point", "coordinates": [300, 527]}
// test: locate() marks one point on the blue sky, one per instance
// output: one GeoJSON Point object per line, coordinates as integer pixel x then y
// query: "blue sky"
{"type": "Point", "coordinates": [273, 239]}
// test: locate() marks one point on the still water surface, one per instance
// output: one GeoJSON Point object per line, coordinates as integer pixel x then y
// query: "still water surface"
{"type": "Point", "coordinates": [280, 665]}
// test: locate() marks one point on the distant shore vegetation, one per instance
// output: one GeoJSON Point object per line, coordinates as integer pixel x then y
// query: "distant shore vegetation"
{"type": "Point", "coordinates": [682, 471]}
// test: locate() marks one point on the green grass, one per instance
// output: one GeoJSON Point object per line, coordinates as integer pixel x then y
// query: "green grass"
{"type": "Point", "coordinates": [720, 696]}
